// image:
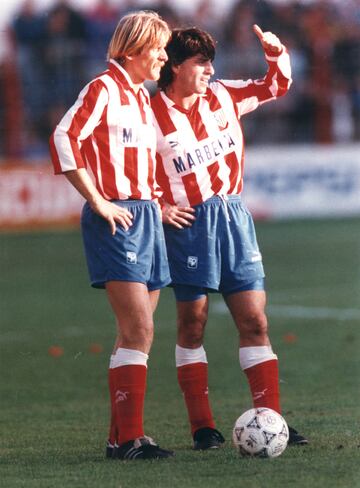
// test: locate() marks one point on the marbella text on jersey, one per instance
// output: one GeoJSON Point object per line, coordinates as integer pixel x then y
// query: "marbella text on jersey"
{"type": "Point", "coordinates": [205, 153]}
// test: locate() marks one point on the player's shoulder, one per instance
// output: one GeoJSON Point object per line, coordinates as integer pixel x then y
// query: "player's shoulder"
{"type": "Point", "coordinates": [94, 87]}
{"type": "Point", "coordinates": [228, 91]}
{"type": "Point", "coordinates": [107, 74]}
{"type": "Point", "coordinates": [221, 90]}
{"type": "Point", "coordinates": [106, 81]}
{"type": "Point", "coordinates": [213, 89]}
{"type": "Point", "coordinates": [99, 79]}
{"type": "Point", "coordinates": [159, 103]}
{"type": "Point", "coordinates": [155, 98]}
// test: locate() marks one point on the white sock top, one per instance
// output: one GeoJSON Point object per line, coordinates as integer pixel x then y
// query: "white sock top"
{"type": "Point", "coordinates": [125, 357]}
{"type": "Point", "coordinates": [251, 356]}
{"type": "Point", "coordinates": [185, 356]}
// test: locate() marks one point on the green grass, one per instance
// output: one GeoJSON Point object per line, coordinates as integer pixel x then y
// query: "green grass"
{"type": "Point", "coordinates": [54, 411]}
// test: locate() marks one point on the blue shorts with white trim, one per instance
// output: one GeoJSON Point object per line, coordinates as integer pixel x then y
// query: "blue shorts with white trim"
{"type": "Point", "coordinates": [137, 254]}
{"type": "Point", "coordinates": [219, 252]}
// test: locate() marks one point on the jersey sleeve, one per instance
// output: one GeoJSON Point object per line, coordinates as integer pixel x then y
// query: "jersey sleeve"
{"type": "Point", "coordinates": [248, 95]}
{"type": "Point", "coordinates": [76, 126]}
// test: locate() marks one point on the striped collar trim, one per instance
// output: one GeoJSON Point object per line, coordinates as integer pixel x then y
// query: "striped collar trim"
{"type": "Point", "coordinates": [123, 75]}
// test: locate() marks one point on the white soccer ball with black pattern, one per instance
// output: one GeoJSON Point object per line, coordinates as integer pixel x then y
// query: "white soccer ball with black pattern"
{"type": "Point", "coordinates": [260, 432]}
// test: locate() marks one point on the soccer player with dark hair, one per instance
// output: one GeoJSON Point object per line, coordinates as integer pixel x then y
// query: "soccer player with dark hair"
{"type": "Point", "coordinates": [210, 235]}
{"type": "Point", "coordinates": [110, 130]}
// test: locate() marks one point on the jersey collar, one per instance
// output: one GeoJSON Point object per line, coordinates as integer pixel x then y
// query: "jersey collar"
{"type": "Point", "coordinates": [123, 76]}
{"type": "Point", "coordinates": [170, 103]}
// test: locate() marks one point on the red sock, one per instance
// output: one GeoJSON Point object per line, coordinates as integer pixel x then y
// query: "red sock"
{"type": "Point", "coordinates": [264, 384]}
{"type": "Point", "coordinates": [127, 392]}
{"type": "Point", "coordinates": [113, 429]}
{"type": "Point", "coordinates": [193, 381]}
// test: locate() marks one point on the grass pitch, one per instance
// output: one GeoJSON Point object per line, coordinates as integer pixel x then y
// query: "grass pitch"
{"type": "Point", "coordinates": [54, 402]}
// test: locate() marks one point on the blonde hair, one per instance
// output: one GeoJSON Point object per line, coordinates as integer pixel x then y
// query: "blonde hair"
{"type": "Point", "coordinates": [135, 31]}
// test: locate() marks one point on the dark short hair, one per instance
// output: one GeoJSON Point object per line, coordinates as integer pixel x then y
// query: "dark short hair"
{"type": "Point", "coordinates": [184, 44]}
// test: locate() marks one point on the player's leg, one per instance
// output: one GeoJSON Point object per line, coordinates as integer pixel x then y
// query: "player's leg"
{"type": "Point", "coordinates": [133, 308]}
{"type": "Point", "coordinates": [192, 367]}
{"type": "Point", "coordinates": [128, 266]}
{"type": "Point", "coordinates": [256, 357]}
{"type": "Point", "coordinates": [154, 296]}
{"type": "Point", "coordinates": [191, 361]}
{"type": "Point", "coordinates": [242, 285]}
{"type": "Point", "coordinates": [197, 269]}
{"type": "Point", "coordinates": [113, 373]}
{"type": "Point", "coordinates": [128, 366]}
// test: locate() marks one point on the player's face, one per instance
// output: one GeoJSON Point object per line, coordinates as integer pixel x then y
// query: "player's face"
{"type": "Point", "coordinates": [147, 64]}
{"type": "Point", "coordinates": [194, 74]}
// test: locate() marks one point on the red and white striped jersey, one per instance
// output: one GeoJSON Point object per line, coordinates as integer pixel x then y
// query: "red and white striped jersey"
{"type": "Point", "coordinates": [110, 129]}
{"type": "Point", "coordinates": [200, 151]}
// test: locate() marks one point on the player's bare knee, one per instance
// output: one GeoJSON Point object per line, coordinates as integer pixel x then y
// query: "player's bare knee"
{"type": "Point", "coordinates": [190, 338]}
{"type": "Point", "coordinates": [191, 333]}
{"type": "Point", "coordinates": [254, 326]}
{"type": "Point", "coordinates": [138, 337]}
{"type": "Point", "coordinates": [146, 333]}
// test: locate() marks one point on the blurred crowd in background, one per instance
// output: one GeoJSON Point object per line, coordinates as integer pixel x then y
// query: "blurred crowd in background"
{"type": "Point", "coordinates": [51, 55]}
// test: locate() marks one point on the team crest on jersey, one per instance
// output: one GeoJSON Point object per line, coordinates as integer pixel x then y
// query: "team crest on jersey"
{"type": "Point", "coordinates": [192, 262]}
{"type": "Point", "coordinates": [220, 118]}
{"type": "Point", "coordinates": [131, 257]}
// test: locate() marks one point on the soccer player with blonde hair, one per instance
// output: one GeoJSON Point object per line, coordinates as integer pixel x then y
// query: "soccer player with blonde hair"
{"type": "Point", "coordinates": [109, 130]}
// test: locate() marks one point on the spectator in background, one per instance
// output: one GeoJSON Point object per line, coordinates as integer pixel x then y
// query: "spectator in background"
{"type": "Point", "coordinates": [317, 25]}
{"type": "Point", "coordinates": [65, 54]}
{"type": "Point", "coordinates": [11, 110]}
{"type": "Point", "coordinates": [209, 16]}
{"type": "Point", "coordinates": [100, 24]}
{"type": "Point", "coordinates": [239, 57]}
{"type": "Point", "coordinates": [346, 70]}
{"type": "Point", "coordinates": [28, 30]}
{"type": "Point", "coordinates": [239, 39]}
{"type": "Point", "coordinates": [323, 39]}
{"type": "Point", "coordinates": [167, 11]}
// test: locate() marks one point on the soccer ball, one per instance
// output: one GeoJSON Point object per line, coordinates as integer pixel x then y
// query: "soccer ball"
{"type": "Point", "coordinates": [260, 432]}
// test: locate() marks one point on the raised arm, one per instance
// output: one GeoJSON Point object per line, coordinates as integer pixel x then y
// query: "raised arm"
{"type": "Point", "coordinates": [269, 41]}
{"type": "Point", "coordinates": [249, 94]}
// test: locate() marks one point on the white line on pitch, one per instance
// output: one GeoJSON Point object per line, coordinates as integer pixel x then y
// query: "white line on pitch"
{"type": "Point", "coordinates": [295, 311]}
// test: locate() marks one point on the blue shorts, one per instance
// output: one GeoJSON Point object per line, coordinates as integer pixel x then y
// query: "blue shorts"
{"type": "Point", "coordinates": [219, 252]}
{"type": "Point", "coordinates": [186, 293]}
{"type": "Point", "coordinates": [137, 255]}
